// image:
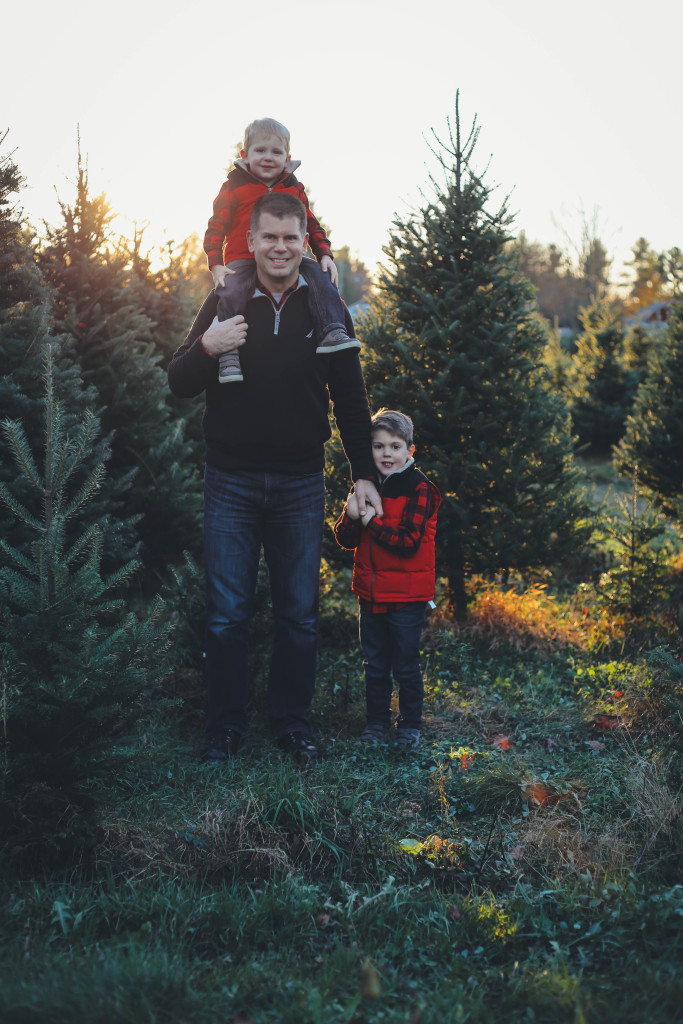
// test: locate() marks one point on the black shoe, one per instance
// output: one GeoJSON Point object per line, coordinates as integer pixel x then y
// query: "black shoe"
{"type": "Point", "coordinates": [299, 746]}
{"type": "Point", "coordinates": [222, 748]}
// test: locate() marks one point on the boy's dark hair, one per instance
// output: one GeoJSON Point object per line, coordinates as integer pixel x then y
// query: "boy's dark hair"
{"type": "Point", "coordinates": [396, 423]}
{"type": "Point", "coordinates": [280, 205]}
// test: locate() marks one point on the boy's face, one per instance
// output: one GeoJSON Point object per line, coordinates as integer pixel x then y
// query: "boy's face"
{"type": "Point", "coordinates": [266, 158]}
{"type": "Point", "coordinates": [390, 452]}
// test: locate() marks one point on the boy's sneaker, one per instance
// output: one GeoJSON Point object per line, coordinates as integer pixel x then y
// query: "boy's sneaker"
{"type": "Point", "coordinates": [335, 341]}
{"type": "Point", "coordinates": [229, 367]}
{"type": "Point", "coordinates": [223, 747]}
{"type": "Point", "coordinates": [300, 747]}
{"type": "Point", "coordinates": [375, 736]}
{"type": "Point", "coordinates": [407, 738]}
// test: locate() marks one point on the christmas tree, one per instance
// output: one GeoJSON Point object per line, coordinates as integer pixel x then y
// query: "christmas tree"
{"type": "Point", "coordinates": [453, 341]}
{"type": "Point", "coordinates": [601, 386]}
{"type": "Point", "coordinates": [653, 440]}
{"type": "Point", "coordinates": [75, 668]}
{"type": "Point", "coordinates": [100, 303]}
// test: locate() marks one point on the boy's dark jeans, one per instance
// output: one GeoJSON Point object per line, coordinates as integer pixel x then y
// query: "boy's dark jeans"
{"type": "Point", "coordinates": [324, 301]}
{"type": "Point", "coordinates": [391, 645]}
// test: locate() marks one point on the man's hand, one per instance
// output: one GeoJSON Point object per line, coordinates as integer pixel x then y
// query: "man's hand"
{"type": "Point", "coordinates": [366, 494]}
{"type": "Point", "coordinates": [352, 506]}
{"type": "Point", "coordinates": [225, 335]}
{"type": "Point", "coordinates": [219, 273]}
{"type": "Point", "coordinates": [327, 264]}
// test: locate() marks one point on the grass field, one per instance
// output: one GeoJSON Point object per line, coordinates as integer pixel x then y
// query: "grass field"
{"type": "Point", "coordinates": [523, 865]}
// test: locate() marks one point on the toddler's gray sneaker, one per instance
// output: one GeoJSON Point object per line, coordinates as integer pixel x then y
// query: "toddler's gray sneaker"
{"type": "Point", "coordinates": [335, 341]}
{"type": "Point", "coordinates": [407, 738]}
{"type": "Point", "coordinates": [229, 367]}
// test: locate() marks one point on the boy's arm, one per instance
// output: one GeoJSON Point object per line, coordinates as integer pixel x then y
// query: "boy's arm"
{"type": "Point", "coordinates": [219, 225]}
{"type": "Point", "coordinates": [407, 536]}
{"type": "Point", "coordinates": [317, 239]}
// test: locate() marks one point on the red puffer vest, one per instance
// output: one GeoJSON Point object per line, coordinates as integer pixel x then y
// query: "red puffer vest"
{"type": "Point", "coordinates": [382, 575]}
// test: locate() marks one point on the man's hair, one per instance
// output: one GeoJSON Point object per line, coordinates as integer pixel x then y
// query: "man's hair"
{"type": "Point", "coordinates": [396, 423]}
{"type": "Point", "coordinates": [280, 205]}
{"type": "Point", "coordinates": [263, 128]}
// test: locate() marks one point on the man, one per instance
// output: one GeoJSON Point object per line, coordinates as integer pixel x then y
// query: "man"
{"type": "Point", "coordinates": [264, 482]}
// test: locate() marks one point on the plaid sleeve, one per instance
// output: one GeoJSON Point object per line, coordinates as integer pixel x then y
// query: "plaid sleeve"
{"type": "Point", "coordinates": [347, 531]}
{"type": "Point", "coordinates": [317, 239]}
{"type": "Point", "coordinates": [219, 225]}
{"type": "Point", "coordinates": [407, 536]}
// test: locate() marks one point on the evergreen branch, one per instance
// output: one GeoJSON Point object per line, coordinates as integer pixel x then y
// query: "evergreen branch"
{"type": "Point", "coordinates": [21, 451]}
{"type": "Point", "coordinates": [15, 506]}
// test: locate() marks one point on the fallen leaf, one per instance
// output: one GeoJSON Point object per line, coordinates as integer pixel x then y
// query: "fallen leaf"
{"type": "Point", "coordinates": [322, 920]}
{"type": "Point", "coordinates": [517, 852]}
{"type": "Point", "coordinates": [604, 721]}
{"type": "Point", "coordinates": [502, 741]}
{"type": "Point", "coordinates": [370, 985]}
{"type": "Point", "coordinates": [618, 694]}
{"type": "Point", "coordinates": [454, 913]}
{"type": "Point", "coordinates": [596, 744]}
{"type": "Point", "coordinates": [538, 794]}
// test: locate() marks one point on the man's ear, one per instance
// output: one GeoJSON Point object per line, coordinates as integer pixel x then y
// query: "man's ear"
{"type": "Point", "coordinates": [250, 241]}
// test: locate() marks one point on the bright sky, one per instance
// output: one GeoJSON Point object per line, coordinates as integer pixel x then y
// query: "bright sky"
{"type": "Point", "coordinates": [578, 105]}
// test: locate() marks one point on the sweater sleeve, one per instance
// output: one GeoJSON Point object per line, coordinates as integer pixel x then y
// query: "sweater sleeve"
{"type": "Point", "coordinates": [191, 368]}
{"type": "Point", "coordinates": [407, 536]}
{"type": "Point", "coordinates": [219, 225]}
{"type": "Point", "coordinates": [347, 531]}
{"type": "Point", "coordinates": [351, 410]}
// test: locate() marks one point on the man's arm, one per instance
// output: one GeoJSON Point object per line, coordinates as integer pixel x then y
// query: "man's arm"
{"type": "Point", "coordinates": [193, 366]}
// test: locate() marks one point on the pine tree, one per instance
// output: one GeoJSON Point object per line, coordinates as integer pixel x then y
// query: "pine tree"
{"type": "Point", "coordinates": [100, 302]}
{"type": "Point", "coordinates": [25, 331]}
{"type": "Point", "coordinates": [75, 668]}
{"type": "Point", "coordinates": [602, 388]}
{"type": "Point", "coordinates": [454, 342]}
{"type": "Point", "coordinates": [653, 439]}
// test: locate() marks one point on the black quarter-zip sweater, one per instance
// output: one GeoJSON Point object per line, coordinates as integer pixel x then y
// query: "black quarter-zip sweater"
{"type": "Point", "coordinates": [276, 420]}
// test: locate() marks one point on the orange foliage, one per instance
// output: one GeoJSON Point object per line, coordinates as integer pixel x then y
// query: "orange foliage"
{"type": "Point", "coordinates": [535, 620]}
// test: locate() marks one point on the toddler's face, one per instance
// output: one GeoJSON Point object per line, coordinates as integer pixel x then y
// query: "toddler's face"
{"type": "Point", "coordinates": [266, 158]}
{"type": "Point", "coordinates": [389, 452]}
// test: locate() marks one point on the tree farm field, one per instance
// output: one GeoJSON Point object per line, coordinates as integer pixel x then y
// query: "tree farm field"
{"type": "Point", "coordinates": [523, 864]}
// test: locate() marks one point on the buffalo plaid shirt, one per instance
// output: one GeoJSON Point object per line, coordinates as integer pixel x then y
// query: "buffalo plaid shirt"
{"type": "Point", "coordinates": [406, 537]}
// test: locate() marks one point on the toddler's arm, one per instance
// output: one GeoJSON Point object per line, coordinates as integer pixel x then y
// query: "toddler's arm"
{"type": "Point", "coordinates": [328, 264]}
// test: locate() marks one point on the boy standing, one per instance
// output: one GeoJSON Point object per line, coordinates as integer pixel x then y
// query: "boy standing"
{"type": "Point", "coordinates": [393, 575]}
{"type": "Point", "coordinates": [266, 166]}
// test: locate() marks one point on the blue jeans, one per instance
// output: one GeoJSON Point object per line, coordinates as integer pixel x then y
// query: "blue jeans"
{"type": "Point", "coordinates": [391, 645]}
{"type": "Point", "coordinates": [324, 301]}
{"type": "Point", "coordinates": [244, 510]}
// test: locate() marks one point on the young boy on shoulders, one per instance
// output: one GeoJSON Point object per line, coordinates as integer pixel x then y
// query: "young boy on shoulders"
{"type": "Point", "coordinates": [393, 576]}
{"type": "Point", "coordinates": [265, 166]}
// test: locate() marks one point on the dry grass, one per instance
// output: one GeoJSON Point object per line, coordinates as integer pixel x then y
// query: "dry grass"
{"type": "Point", "coordinates": [533, 619]}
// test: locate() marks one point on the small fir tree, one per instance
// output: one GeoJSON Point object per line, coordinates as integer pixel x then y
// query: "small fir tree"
{"type": "Point", "coordinates": [602, 388]}
{"type": "Point", "coordinates": [75, 668]}
{"type": "Point", "coordinates": [453, 340]}
{"type": "Point", "coordinates": [653, 439]}
{"type": "Point", "coordinates": [25, 331]}
{"type": "Point", "coordinates": [102, 301]}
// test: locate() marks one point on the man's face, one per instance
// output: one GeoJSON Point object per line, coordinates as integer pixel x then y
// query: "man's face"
{"type": "Point", "coordinates": [389, 452]}
{"type": "Point", "coordinates": [266, 158]}
{"type": "Point", "coordinates": [278, 245]}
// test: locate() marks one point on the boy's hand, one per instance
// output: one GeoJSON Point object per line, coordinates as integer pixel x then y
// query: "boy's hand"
{"type": "Point", "coordinates": [224, 335]}
{"type": "Point", "coordinates": [366, 495]}
{"type": "Point", "coordinates": [369, 514]}
{"type": "Point", "coordinates": [352, 506]}
{"type": "Point", "coordinates": [327, 265]}
{"type": "Point", "coordinates": [219, 273]}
